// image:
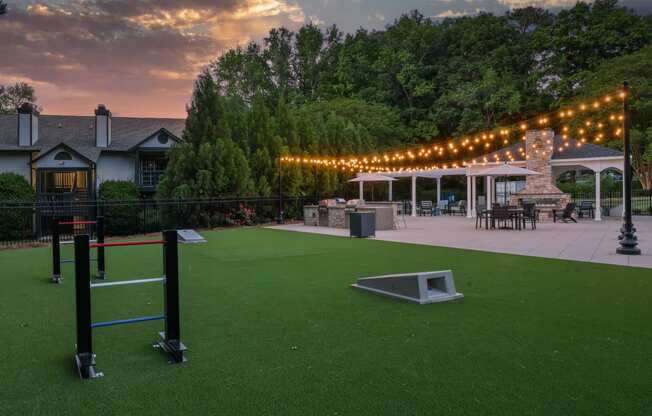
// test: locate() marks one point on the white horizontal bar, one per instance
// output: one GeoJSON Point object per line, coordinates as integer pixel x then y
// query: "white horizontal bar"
{"type": "Point", "coordinates": [128, 282]}
{"type": "Point", "coordinates": [65, 243]}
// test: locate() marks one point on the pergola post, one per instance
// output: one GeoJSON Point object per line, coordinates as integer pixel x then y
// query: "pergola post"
{"type": "Point", "coordinates": [438, 190]}
{"type": "Point", "coordinates": [414, 195]}
{"type": "Point", "coordinates": [390, 190]}
{"type": "Point", "coordinates": [598, 209]}
{"type": "Point", "coordinates": [474, 197]}
{"type": "Point", "coordinates": [469, 197]}
{"type": "Point", "coordinates": [361, 187]}
{"type": "Point", "coordinates": [488, 192]}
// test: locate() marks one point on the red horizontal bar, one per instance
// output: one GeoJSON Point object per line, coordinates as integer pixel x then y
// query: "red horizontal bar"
{"type": "Point", "coordinates": [77, 222]}
{"type": "Point", "coordinates": [128, 243]}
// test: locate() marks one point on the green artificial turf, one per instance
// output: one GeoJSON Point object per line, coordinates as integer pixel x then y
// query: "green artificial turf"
{"type": "Point", "coordinates": [273, 328]}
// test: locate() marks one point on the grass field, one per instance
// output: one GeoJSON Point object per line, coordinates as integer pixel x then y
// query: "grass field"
{"type": "Point", "coordinates": [274, 329]}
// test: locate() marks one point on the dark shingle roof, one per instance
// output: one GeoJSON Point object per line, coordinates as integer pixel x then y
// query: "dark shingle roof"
{"type": "Point", "coordinates": [78, 132]}
{"type": "Point", "coordinates": [572, 151]}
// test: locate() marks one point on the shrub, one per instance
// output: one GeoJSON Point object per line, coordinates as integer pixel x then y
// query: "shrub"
{"type": "Point", "coordinates": [120, 218]}
{"type": "Point", "coordinates": [15, 222]}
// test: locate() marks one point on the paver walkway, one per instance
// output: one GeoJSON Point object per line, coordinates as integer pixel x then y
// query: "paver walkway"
{"type": "Point", "coordinates": [594, 241]}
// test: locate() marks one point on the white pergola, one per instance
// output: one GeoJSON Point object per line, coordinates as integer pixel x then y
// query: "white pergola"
{"type": "Point", "coordinates": [596, 164]}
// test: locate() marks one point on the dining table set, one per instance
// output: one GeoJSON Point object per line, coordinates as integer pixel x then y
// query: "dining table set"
{"type": "Point", "coordinates": [506, 217]}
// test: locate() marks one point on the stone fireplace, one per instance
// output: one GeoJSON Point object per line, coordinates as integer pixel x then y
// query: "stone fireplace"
{"type": "Point", "coordinates": [540, 189]}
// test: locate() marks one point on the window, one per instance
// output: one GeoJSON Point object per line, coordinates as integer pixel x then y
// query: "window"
{"type": "Point", "coordinates": [63, 156]}
{"type": "Point", "coordinates": [163, 138]}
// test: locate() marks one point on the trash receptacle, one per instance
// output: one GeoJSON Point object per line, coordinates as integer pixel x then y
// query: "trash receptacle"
{"type": "Point", "coordinates": [362, 224]}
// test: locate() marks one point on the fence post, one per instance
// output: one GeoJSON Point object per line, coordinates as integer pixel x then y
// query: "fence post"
{"type": "Point", "coordinates": [56, 251]}
{"type": "Point", "coordinates": [101, 262]}
{"type": "Point", "coordinates": [171, 338]}
{"type": "Point", "coordinates": [85, 359]}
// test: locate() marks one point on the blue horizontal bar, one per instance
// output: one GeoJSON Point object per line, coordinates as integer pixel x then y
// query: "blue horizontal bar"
{"type": "Point", "coordinates": [127, 321]}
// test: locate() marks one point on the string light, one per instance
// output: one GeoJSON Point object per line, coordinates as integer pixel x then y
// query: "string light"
{"type": "Point", "coordinates": [392, 160]}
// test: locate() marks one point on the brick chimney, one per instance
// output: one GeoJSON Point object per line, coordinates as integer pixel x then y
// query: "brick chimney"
{"type": "Point", "coordinates": [27, 125]}
{"type": "Point", "coordinates": [102, 126]}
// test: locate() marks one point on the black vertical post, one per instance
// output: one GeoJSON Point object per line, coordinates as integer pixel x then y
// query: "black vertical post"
{"type": "Point", "coordinates": [280, 191]}
{"type": "Point", "coordinates": [84, 358]}
{"type": "Point", "coordinates": [628, 239]}
{"type": "Point", "coordinates": [56, 251]}
{"type": "Point", "coordinates": [101, 262]}
{"type": "Point", "coordinates": [171, 342]}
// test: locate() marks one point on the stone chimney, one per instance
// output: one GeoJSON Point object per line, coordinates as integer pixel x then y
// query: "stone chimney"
{"type": "Point", "coordinates": [27, 125]}
{"type": "Point", "coordinates": [539, 146]}
{"type": "Point", "coordinates": [102, 126]}
{"type": "Point", "coordinates": [541, 189]}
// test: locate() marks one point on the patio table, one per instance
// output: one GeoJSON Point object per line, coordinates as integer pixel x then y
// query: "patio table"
{"type": "Point", "coordinates": [516, 213]}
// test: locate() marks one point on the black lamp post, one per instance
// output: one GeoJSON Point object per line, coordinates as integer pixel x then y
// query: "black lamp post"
{"type": "Point", "coordinates": [628, 239]}
{"type": "Point", "coordinates": [280, 192]}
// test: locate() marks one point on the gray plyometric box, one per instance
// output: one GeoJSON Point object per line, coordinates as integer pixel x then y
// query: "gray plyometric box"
{"type": "Point", "coordinates": [190, 236]}
{"type": "Point", "coordinates": [362, 224]}
{"type": "Point", "coordinates": [425, 287]}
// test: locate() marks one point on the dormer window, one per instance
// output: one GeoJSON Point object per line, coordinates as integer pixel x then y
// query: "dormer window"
{"type": "Point", "coordinates": [63, 156]}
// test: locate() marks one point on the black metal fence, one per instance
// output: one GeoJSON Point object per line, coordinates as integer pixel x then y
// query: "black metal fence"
{"type": "Point", "coordinates": [30, 223]}
{"type": "Point", "coordinates": [641, 200]}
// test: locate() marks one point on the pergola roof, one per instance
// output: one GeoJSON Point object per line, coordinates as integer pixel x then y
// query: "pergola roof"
{"type": "Point", "coordinates": [572, 151]}
{"type": "Point", "coordinates": [372, 177]}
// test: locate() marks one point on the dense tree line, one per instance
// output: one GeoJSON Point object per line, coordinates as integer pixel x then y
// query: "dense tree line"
{"type": "Point", "coordinates": [321, 92]}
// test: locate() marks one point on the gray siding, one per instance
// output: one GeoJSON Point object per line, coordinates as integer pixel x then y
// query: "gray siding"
{"type": "Point", "coordinates": [15, 162]}
{"type": "Point", "coordinates": [117, 167]}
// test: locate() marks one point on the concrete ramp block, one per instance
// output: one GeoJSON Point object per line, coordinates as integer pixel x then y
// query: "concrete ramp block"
{"type": "Point", "coordinates": [425, 287]}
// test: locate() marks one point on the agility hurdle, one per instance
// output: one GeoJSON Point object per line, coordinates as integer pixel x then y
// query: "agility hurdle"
{"type": "Point", "coordinates": [170, 338]}
{"type": "Point", "coordinates": [57, 243]}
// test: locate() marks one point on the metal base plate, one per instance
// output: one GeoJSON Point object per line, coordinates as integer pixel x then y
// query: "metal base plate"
{"type": "Point", "coordinates": [56, 278]}
{"type": "Point", "coordinates": [174, 348]}
{"type": "Point", "coordinates": [86, 366]}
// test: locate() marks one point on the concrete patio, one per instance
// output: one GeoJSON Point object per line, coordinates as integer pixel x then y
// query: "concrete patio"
{"type": "Point", "coordinates": [592, 241]}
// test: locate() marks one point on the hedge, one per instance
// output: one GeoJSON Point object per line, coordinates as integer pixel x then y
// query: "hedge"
{"type": "Point", "coordinates": [15, 223]}
{"type": "Point", "coordinates": [123, 219]}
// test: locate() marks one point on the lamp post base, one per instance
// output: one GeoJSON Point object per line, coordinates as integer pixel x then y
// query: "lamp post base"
{"type": "Point", "coordinates": [628, 242]}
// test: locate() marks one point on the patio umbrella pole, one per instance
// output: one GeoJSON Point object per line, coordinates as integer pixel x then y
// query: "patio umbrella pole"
{"type": "Point", "coordinates": [628, 239]}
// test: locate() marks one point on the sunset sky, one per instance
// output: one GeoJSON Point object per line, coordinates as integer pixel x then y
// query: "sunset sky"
{"type": "Point", "coordinates": [140, 57]}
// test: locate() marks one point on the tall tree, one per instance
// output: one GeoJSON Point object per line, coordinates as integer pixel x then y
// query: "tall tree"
{"type": "Point", "coordinates": [584, 36]}
{"type": "Point", "coordinates": [208, 163]}
{"type": "Point", "coordinates": [637, 70]}
{"type": "Point", "coordinates": [307, 59]}
{"type": "Point", "coordinates": [13, 96]}
{"type": "Point", "coordinates": [278, 54]}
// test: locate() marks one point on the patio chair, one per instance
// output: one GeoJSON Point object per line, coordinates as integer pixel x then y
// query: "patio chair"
{"type": "Point", "coordinates": [480, 213]}
{"type": "Point", "coordinates": [425, 208]}
{"type": "Point", "coordinates": [530, 214]}
{"type": "Point", "coordinates": [458, 207]}
{"type": "Point", "coordinates": [399, 218]}
{"type": "Point", "coordinates": [585, 207]}
{"type": "Point", "coordinates": [566, 214]}
{"type": "Point", "coordinates": [442, 207]}
{"type": "Point", "coordinates": [403, 208]}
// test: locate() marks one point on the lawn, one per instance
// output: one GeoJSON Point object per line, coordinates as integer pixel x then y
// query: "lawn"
{"type": "Point", "coordinates": [272, 327]}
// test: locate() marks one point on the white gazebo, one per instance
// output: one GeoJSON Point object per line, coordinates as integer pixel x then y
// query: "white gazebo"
{"type": "Point", "coordinates": [566, 155]}
{"type": "Point", "coordinates": [372, 177]}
